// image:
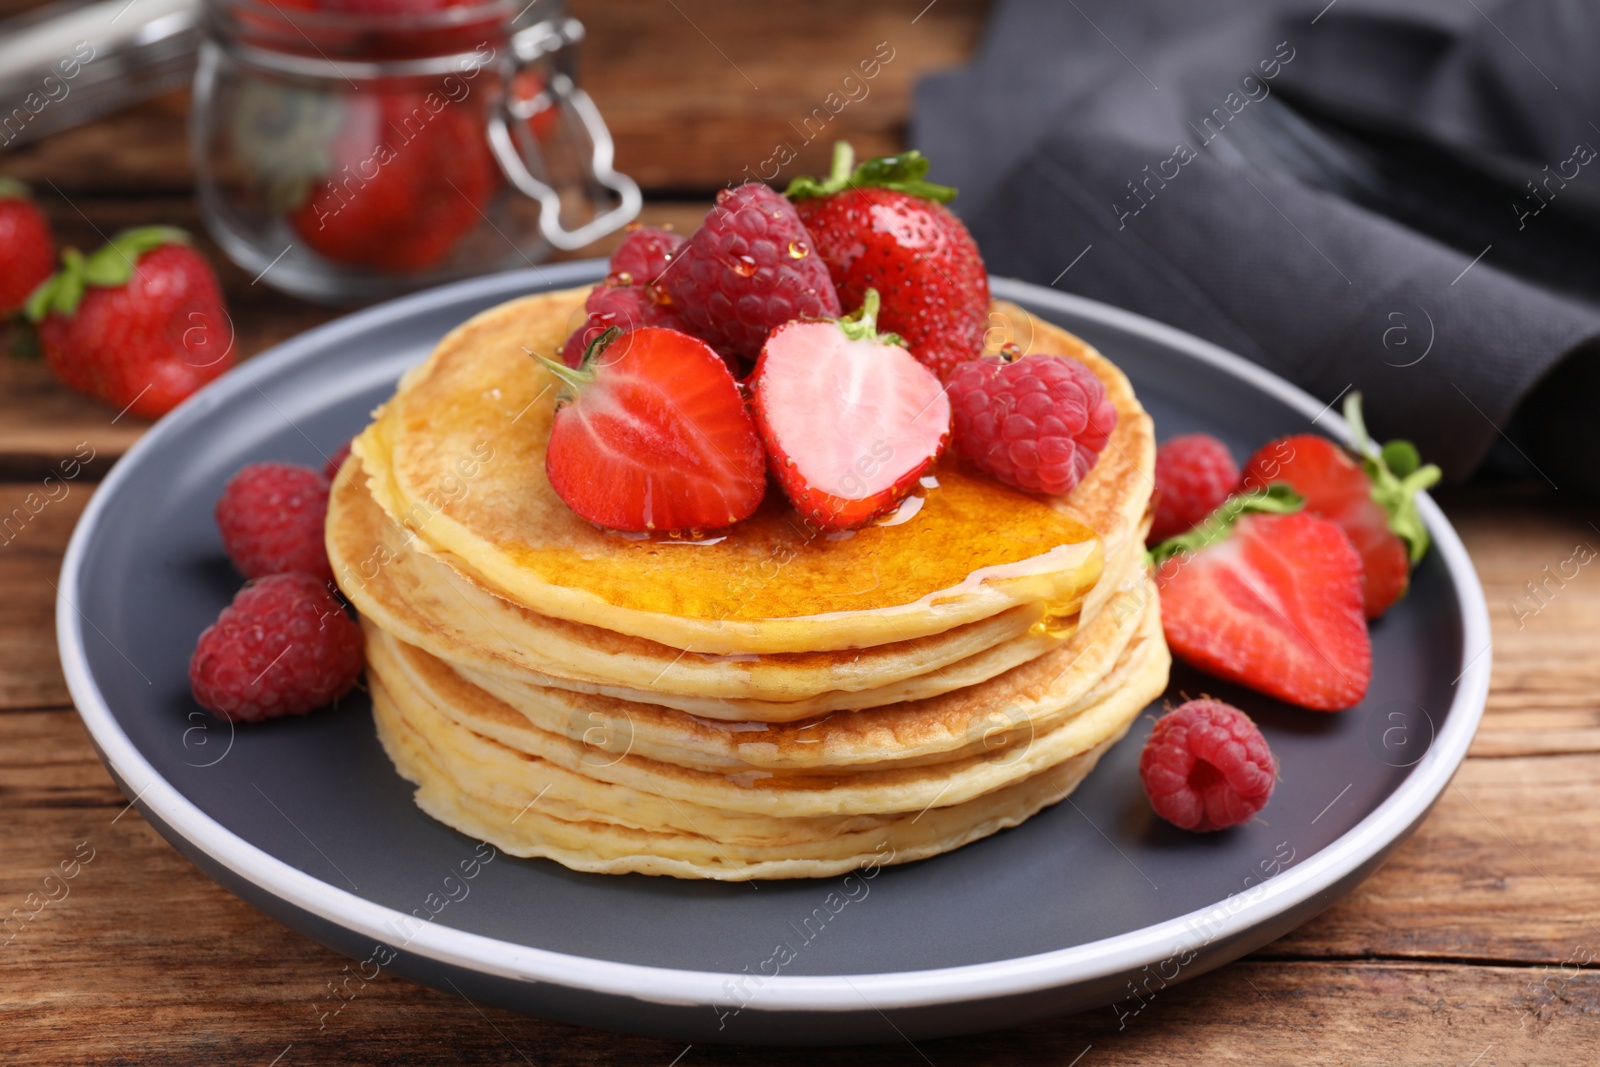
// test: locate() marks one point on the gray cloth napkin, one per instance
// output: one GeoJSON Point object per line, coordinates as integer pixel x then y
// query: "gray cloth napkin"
{"type": "Point", "coordinates": [1399, 197]}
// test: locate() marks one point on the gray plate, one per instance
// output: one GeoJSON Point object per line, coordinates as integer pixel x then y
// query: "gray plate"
{"type": "Point", "coordinates": [1085, 905]}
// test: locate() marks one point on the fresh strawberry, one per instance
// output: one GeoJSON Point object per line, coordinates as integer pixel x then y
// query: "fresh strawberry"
{"type": "Point", "coordinates": [1371, 496]}
{"type": "Point", "coordinates": [139, 324]}
{"type": "Point", "coordinates": [850, 419]}
{"type": "Point", "coordinates": [747, 270]}
{"type": "Point", "coordinates": [27, 250]}
{"type": "Point", "coordinates": [1269, 596]}
{"type": "Point", "coordinates": [629, 297]}
{"type": "Point", "coordinates": [653, 434]}
{"type": "Point", "coordinates": [408, 175]}
{"type": "Point", "coordinates": [883, 226]}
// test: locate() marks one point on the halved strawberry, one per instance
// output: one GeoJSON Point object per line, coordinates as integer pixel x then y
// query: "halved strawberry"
{"type": "Point", "coordinates": [1371, 497]}
{"type": "Point", "coordinates": [1269, 597]}
{"type": "Point", "coordinates": [652, 434]}
{"type": "Point", "coordinates": [850, 419]}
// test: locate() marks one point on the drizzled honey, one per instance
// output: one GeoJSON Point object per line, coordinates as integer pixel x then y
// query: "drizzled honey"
{"type": "Point", "coordinates": [773, 565]}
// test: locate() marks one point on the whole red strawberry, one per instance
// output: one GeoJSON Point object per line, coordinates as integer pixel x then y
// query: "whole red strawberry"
{"type": "Point", "coordinates": [408, 176]}
{"type": "Point", "coordinates": [1195, 473]}
{"type": "Point", "coordinates": [1269, 596]}
{"type": "Point", "coordinates": [1371, 495]}
{"type": "Point", "coordinates": [1038, 423]}
{"type": "Point", "coordinates": [747, 270]}
{"type": "Point", "coordinates": [27, 250]}
{"type": "Point", "coordinates": [271, 516]}
{"type": "Point", "coordinates": [652, 434]}
{"type": "Point", "coordinates": [1206, 767]}
{"type": "Point", "coordinates": [849, 418]}
{"type": "Point", "coordinates": [139, 324]}
{"type": "Point", "coordinates": [629, 297]}
{"type": "Point", "coordinates": [283, 647]}
{"type": "Point", "coordinates": [883, 226]}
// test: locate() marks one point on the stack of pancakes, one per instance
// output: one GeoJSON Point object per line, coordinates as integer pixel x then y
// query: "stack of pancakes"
{"type": "Point", "coordinates": [762, 702]}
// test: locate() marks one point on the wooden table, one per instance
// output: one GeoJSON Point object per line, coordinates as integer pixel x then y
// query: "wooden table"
{"type": "Point", "coordinates": [1474, 945]}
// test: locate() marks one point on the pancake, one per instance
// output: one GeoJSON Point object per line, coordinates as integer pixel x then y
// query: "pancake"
{"type": "Point", "coordinates": [456, 458]}
{"type": "Point", "coordinates": [760, 702]}
{"type": "Point", "coordinates": [468, 755]}
{"type": "Point", "coordinates": [427, 603]}
{"type": "Point", "coordinates": [909, 731]}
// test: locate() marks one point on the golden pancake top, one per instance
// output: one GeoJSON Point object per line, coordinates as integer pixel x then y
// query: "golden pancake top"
{"type": "Point", "coordinates": [457, 458]}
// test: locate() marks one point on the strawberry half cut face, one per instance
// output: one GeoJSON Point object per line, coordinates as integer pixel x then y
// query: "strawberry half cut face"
{"type": "Point", "coordinates": [850, 419]}
{"type": "Point", "coordinates": [654, 435]}
{"type": "Point", "coordinates": [1274, 605]}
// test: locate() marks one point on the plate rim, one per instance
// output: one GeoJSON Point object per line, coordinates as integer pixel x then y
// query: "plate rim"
{"type": "Point", "coordinates": [1294, 888]}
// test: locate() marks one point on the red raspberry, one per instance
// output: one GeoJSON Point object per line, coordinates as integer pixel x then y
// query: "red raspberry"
{"type": "Point", "coordinates": [1207, 767]}
{"type": "Point", "coordinates": [747, 269]}
{"type": "Point", "coordinates": [1195, 473]}
{"type": "Point", "coordinates": [1037, 423]}
{"type": "Point", "coordinates": [271, 517]}
{"type": "Point", "coordinates": [330, 470]}
{"type": "Point", "coordinates": [643, 255]}
{"type": "Point", "coordinates": [626, 307]}
{"type": "Point", "coordinates": [283, 647]}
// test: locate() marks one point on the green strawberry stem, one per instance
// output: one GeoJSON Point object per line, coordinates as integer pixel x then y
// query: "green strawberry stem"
{"type": "Point", "coordinates": [904, 173]}
{"type": "Point", "coordinates": [109, 267]}
{"type": "Point", "coordinates": [1275, 499]}
{"type": "Point", "coordinates": [862, 324]}
{"type": "Point", "coordinates": [576, 378]}
{"type": "Point", "coordinates": [11, 189]}
{"type": "Point", "coordinates": [1398, 475]}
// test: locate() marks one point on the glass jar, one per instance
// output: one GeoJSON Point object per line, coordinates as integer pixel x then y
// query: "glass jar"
{"type": "Point", "coordinates": [344, 156]}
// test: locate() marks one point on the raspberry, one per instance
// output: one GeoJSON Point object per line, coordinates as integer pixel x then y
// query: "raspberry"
{"type": "Point", "coordinates": [1195, 473]}
{"type": "Point", "coordinates": [1207, 767]}
{"type": "Point", "coordinates": [1037, 423]}
{"type": "Point", "coordinates": [626, 307]}
{"type": "Point", "coordinates": [271, 517]}
{"type": "Point", "coordinates": [749, 268]}
{"type": "Point", "coordinates": [330, 470]}
{"type": "Point", "coordinates": [283, 647]}
{"type": "Point", "coordinates": [643, 255]}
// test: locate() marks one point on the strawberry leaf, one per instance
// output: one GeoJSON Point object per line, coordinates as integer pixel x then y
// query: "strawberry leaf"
{"type": "Point", "coordinates": [1398, 475]}
{"type": "Point", "coordinates": [1276, 499]}
{"type": "Point", "coordinates": [113, 264]}
{"type": "Point", "coordinates": [60, 292]}
{"type": "Point", "coordinates": [903, 173]}
{"type": "Point", "coordinates": [862, 324]}
{"type": "Point", "coordinates": [11, 189]}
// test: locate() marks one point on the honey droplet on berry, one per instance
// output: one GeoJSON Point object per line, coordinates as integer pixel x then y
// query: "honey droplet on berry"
{"type": "Point", "coordinates": [619, 279]}
{"type": "Point", "coordinates": [658, 296]}
{"type": "Point", "coordinates": [798, 250]}
{"type": "Point", "coordinates": [744, 266]}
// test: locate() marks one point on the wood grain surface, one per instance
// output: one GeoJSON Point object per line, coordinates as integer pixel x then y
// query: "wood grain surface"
{"type": "Point", "coordinates": [1475, 945]}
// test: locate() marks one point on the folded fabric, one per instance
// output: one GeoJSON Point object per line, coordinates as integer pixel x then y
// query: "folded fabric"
{"type": "Point", "coordinates": [1388, 197]}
